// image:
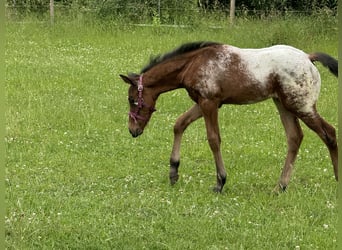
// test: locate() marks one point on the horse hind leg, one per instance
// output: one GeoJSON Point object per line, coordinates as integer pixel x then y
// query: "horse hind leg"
{"type": "Point", "coordinates": [326, 132]}
{"type": "Point", "coordinates": [181, 124]}
{"type": "Point", "coordinates": [294, 137]}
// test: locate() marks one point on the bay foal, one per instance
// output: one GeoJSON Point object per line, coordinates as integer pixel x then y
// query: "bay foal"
{"type": "Point", "coordinates": [215, 74]}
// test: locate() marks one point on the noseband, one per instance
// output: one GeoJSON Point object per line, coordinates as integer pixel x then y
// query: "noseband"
{"type": "Point", "coordinates": [135, 114]}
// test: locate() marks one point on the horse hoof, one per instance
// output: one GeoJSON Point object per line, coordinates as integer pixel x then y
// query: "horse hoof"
{"type": "Point", "coordinates": [217, 189]}
{"type": "Point", "coordinates": [174, 179]}
{"type": "Point", "coordinates": [279, 189]}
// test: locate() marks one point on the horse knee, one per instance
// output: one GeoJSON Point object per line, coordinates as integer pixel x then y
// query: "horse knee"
{"type": "Point", "coordinates": [181, 124]}
{"type": "Point", "coordinates": [179, 127]}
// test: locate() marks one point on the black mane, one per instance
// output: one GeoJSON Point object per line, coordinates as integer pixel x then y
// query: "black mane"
{"type": "Point", "coordinates": [187, 47]}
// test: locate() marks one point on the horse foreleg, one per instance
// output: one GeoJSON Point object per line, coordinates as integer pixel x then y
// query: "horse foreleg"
{"type": "Point", "coordinates": [210, 114]}
{"type": "Point", "coordinates": [294, 137]}
{"type": "Point", "coordinates": [181, 124]}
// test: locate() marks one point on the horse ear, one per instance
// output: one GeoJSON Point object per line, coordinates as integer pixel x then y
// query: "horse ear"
{"type": "Point", "coordinates": [128, 79]}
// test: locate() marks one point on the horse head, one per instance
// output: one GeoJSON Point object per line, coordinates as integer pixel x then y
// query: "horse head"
{"type": "Point", "coordinates": [141, 104]}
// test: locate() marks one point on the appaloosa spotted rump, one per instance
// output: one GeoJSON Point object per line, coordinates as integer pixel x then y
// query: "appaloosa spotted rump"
{"type": "Point", "coordinates": [215, 74]}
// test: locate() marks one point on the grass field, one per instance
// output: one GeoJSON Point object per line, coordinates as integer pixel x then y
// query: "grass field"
{"type": "Point", "coordinates": [75, 179]}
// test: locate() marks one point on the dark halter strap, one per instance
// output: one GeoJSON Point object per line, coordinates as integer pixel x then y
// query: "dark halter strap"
{"type": "Point", "coordinates": [141, 104]}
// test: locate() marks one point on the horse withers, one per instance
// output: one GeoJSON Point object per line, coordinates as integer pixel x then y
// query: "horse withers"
{"type": "Point", "coordinates": [215, 74]}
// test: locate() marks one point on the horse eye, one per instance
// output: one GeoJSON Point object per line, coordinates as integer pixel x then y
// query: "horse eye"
{"type": "Point", "coordinates": [132, 101]}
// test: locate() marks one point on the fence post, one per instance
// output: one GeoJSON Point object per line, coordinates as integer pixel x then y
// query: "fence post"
{"type": "Point", "coordinates": [232, 11]}
{"type": "Point", "coordinates": [52, 12]}
{"type": "Point", "coordinates": [159, 9]}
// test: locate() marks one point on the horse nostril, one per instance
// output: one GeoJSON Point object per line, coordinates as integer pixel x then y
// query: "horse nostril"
{"type": "Point", "coordinates": [136, 133]}
{"type": "Point", "coordinates": [131, 132]}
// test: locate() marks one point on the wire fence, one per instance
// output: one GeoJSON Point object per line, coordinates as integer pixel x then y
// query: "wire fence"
{"type": "Point", "coordinates": [141, 14]}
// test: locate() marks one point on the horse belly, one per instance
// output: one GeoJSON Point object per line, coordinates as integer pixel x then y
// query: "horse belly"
{"type": "Point", "coordinates": [247, 93]}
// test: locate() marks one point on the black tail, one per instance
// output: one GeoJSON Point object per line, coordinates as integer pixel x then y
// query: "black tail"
{"type": "Point", "coordinates": [327, 61]}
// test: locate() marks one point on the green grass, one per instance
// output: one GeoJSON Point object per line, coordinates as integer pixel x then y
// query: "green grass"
{"type": "Point", "coordinates": [75, 179]}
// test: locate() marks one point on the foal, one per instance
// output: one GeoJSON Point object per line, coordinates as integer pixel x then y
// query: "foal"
{"type": "Point", "coordinates": [215, 74]}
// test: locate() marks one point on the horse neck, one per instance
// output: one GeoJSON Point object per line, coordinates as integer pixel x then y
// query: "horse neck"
{"type": "Point", "coordinates": [163, 78]}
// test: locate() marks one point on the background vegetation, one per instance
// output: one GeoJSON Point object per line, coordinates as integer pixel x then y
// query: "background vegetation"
{"type": "Point", "coordinates": [75, 179]}
{"type": "Point", "coordinates": [168, 11]}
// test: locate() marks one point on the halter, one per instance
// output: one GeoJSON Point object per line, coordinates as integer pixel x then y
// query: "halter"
{"type": "Point", "coordinates": [135, 114]}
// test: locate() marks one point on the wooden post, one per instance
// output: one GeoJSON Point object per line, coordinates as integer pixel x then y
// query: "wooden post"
{"type": "Point", "coordinates": [52, 12]}
{"type": "Point", "coordinates": [232, 11]}
{"type": "Point", "coordinates": [159, 9]}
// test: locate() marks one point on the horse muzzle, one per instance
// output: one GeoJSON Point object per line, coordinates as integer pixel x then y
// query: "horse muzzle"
{"type": "Point", "coordinates": [136, 132]}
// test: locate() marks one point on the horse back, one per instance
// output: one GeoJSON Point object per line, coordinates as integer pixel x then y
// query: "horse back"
{"type": "Point", "coordinates": [242, 76]}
